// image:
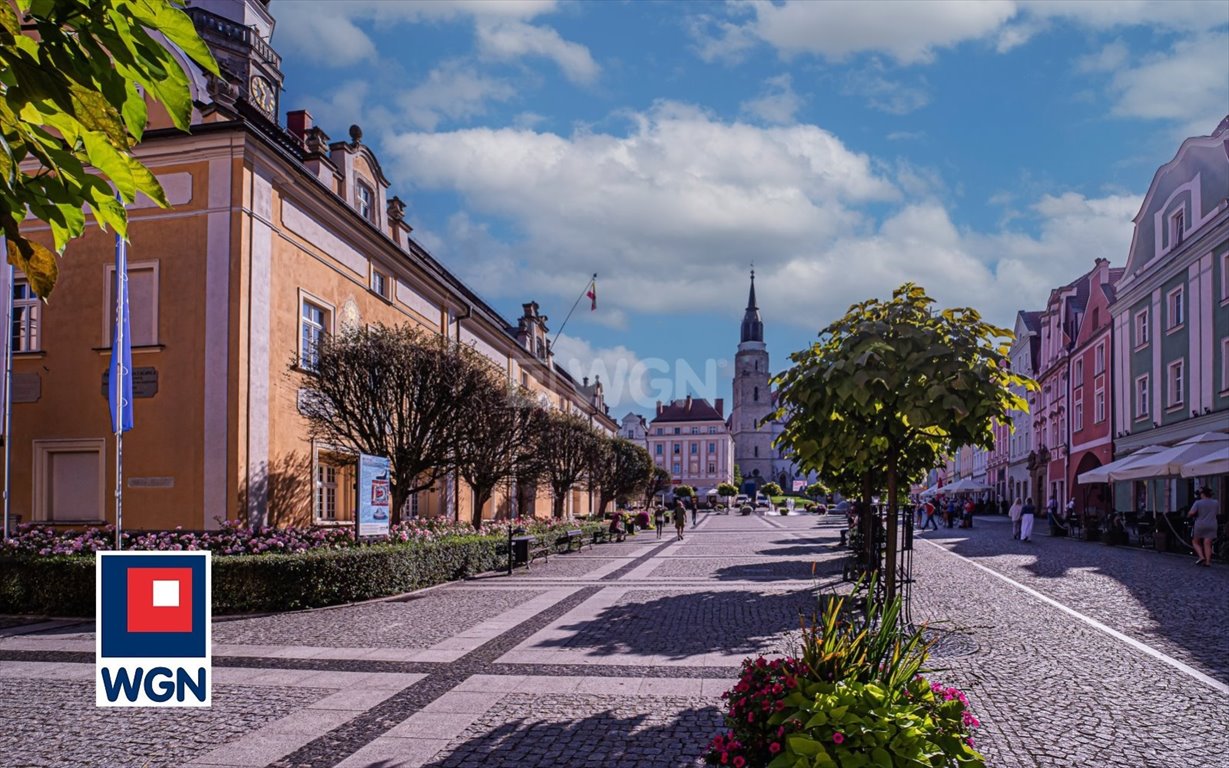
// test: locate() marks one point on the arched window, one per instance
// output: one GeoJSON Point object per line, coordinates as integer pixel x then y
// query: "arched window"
{"type": "Point", "coordinates": [756, 395]}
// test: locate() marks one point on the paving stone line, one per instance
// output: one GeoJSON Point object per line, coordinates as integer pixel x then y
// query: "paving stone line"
{"type": "Point", "coordinates": [343, 741]}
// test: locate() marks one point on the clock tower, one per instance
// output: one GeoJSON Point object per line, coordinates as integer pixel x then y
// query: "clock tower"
{"type": "Point", "coordinates": [238, 32]}
{"type": "Point", "coordinates": [750, 424]}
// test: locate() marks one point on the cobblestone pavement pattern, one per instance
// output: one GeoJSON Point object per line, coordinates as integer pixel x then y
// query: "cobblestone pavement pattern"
{"type": "Point", "coordinates": [618, 655]}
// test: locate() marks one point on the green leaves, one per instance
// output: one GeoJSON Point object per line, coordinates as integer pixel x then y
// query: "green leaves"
{"type": "Point", "coordinates": [76, 97]}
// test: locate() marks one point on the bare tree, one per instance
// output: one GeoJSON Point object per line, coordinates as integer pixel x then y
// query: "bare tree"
{"type": "Point", "coordinates": [569, 449]}
{"type": "Point", "coordinates": [621, 470]}
{"type": "Point", "coordinates": [657, 482]}
{"type": "Point", "coordinates": [498, 443]}
{"type": "Point", "coordinates": [394, 392]}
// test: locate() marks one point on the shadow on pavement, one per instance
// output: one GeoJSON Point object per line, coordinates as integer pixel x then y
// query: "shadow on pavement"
{"type": "Point", "coordinates": [680, 626]}
{"type": "Point", "coordinates": [1161, 595]}
{"type": "Point", "coordinates": [781, 571]}
{"type": "Point", "coordinates": [618, 736]}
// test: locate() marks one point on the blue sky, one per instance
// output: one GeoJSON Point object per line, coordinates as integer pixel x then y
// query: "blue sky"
{"type": "Point", "coordinates": [989, 151]}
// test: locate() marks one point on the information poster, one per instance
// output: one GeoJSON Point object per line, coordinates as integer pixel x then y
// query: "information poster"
{"type": "Point", "coordinates": [374, 495]}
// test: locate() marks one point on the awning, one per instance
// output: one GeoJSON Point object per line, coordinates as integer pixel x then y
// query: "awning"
{"type": "Point", "coordinates": [1215, 463]}
{"type": "Point", "coordinates": [1102, 474]}
{"type": "Point", "coordinates": [966, 485]}
{"type": "Point", "coordinates": [1169, 462]}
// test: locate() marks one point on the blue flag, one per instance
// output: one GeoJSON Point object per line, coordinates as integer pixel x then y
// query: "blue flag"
{"type": "Point", "coordinates": [119, 389]}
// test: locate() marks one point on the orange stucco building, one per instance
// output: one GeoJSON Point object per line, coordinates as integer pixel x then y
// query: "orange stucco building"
{"type": "Point", "coordinates": [276, 234]}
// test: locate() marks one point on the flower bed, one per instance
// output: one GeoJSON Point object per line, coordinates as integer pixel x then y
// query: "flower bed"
{"type": "Point", "coordinates": [855, 697]}
{"type": "Point", "coordinates": [49, 572]}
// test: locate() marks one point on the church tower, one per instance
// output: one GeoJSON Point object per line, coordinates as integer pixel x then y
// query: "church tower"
{"type": "Point", "coordinates": [753, 451]}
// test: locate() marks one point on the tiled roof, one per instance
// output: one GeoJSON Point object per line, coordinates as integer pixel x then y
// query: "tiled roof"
{"type": "Point", "coordinates": [690, 409]}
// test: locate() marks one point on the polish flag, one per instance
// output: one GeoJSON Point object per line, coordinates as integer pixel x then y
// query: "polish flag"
{"type": "Point", "coordinates": [592, 294]}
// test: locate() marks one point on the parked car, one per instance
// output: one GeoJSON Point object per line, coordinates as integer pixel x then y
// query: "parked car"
{"type": "Point", "coordinates": [741, 499]}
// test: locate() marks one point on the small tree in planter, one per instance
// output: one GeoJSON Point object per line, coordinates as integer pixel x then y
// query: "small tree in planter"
{"type": "Point", "coordinates": [770, 489]}
{"type": "Point", "coordinates": [727, 491]}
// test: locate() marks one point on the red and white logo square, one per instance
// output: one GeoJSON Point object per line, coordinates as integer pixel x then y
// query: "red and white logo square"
{"type": "Point", "coordinates": [159, 599]}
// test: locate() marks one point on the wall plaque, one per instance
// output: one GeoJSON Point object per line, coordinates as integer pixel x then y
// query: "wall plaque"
{"type": "Point", "coordinates": [144, 382]}
{"type": "Point", "coordinates": [27, 387]}
{"type": "Point", "coordinates": [151, 482]}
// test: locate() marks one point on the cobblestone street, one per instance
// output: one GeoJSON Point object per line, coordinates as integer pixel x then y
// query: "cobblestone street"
{"type": "Point", "coordinates": [1073, 654]}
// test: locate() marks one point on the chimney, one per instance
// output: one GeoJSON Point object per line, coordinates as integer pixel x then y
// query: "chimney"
{"type": "Point", "coordinates": [299, 122]}
{"type": "Point", "coordinates": [586, 381]}
{"type": "Point", "coordinates": [659, 408]}
{"type": "Point", "coordinates": [689, 403]}
{"type": "Point", "coordinates": [719, 404]}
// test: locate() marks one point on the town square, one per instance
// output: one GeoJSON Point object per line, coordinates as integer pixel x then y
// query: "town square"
{"type": "Point", "coordinates": [825, 383]}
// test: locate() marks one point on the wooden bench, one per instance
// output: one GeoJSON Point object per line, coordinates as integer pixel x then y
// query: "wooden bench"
{"type": "Point", "coordinates": [538, 548]}
{"type": "Point", "coordinates": [574, 535]}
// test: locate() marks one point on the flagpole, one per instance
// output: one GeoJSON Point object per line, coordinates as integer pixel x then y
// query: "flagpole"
{"type": "Point", "coordinates": [8, 386]}
{"type": "Point", "coordinates": [575, 304]}
{"type": "Point", "coordinates": [117, 348]}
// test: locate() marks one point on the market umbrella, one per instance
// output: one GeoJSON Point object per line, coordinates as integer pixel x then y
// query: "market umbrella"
{"type": "Point", "coordinates": [1170, 461]}
{"type": "Point", "coordinates": [1102, 474]}
{"type": "Point", "coordinates": [1214, 463]}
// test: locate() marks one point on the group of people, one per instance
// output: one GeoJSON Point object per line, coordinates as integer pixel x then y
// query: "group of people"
{"type": "Point", "coordinates": [952, 511]}
{"type": "Point", "coordinates": [1022, 516]}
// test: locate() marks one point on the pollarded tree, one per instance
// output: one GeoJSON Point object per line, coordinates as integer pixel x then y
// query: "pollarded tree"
{"type": "Point", "coordinates": [569, 449]}
{"type": "Point", "coordinates": [817, 489]}
{"type": "Point", "coordinates": [622, 469]}
{"type": "Point", "coordinates": [770, 489]}
{"type": "Point", "coordinates": [684, 492]}
{"type": "Point", "coordinates": [395, 392]}
{"type": "Point", "coordinates": [890, 387]}
{"type": "Point", "coordinates": [496, 442]}
{"type": "Point", "coordinates": [73, 87]}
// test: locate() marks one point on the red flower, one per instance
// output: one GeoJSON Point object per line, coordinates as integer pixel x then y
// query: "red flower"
{"type": "Point", "coordinates": [774, 747]}
{"type": "Point", "coordinates": [838, 738]}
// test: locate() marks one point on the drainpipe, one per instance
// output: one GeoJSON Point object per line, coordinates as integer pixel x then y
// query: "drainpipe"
{"type": "Point", "coordinates": [456, 477]}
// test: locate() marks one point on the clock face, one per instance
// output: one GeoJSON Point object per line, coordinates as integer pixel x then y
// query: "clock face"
{"type": "Point", "coordinates": [261, 94]}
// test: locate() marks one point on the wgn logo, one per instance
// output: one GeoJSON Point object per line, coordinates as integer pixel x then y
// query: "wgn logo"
{"type": "Point", "coordinates": [153, 629]}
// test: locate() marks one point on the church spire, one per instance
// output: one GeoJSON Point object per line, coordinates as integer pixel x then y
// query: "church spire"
{"type": "Point", "coordinates": [753, 327]}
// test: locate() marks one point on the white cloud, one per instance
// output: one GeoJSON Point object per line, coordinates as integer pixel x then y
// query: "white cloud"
{"type": "Point", "coordinates": [452, 91]}
{"type": "Point", "coordinates": [323, 27]}
{"type": "Point", "coordinates": [912, 32]}
{"type": "Point", "coordinates": [625, 377]}
{"type": "Point", "coordinates": [514, 39]}
{"type": "Point", "coordinates": [909, 32]}
{"type": "Point", "coordinates": [891, 96]}
{"type": "Point", "coordinates": [1108, 59]}
{"type": "Point", "coordinates": [1190, 84]}
{"type": "Point", "coordinates": [777, 102]}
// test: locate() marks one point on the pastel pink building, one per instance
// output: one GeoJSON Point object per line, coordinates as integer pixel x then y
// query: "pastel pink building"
{"type": "Point", "coordinates": [689, 439]}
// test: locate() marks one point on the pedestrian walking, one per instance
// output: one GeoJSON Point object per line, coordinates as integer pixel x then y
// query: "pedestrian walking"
{"type": "Point", "coordinates": [695, 511]}
{"type": "Point", "coordinates": [1204, 530]}
{"type": "Point", "coordinates": [950, 516]}
{"type": "Point", "coordinates": [659, 520]}
{"type": "Point", "coordinates": [680, 518]}
{"type": "Point", "coordinates": [1052, 511]}
{"type": "Point", "coordinates": [1014, 514]}
{"type": "Point", "coordinates": [929, 510]}
{"type": "Point", "coordinates": [1027, 513]}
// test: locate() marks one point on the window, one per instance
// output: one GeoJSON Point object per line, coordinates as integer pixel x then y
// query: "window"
{"type": "Point", "coordinates": [675, 468]}
{"type": "Point", "coordinates": [659, 449]}
{"type": "Point", "coordinates": [757, 452]}
{"type": "Point", "coordinates": [68, 480]}
{"type": "Point", "coordinates": [1078, 378]}
{"type": "Point", "coordinates": [1174, 312]}
{"type": "Point", "coordinates": [335, 486]}
{"type": "Point", "coordinates": [1141, 397]}
{"type": "Point", "coordinates": [1141, 328]}
{"type": "Point", "coordinates": [659, 430]}
{"type": "Point", "coordinates": [756, 395]}
{"type": "Point", "coordinates": [142, 304]}
{"type": "Point", "coordinates": [712, 469]}
{"type": "Point", "coordinates": [1098, 414]}
{"type": "Point", "coordinates": [1099, 360]}
{"type": "Point", "coordinates": [695, 430]}
{"type": "Point", "coordinates": [1177, 227]}
{"type": "Point", "coordinates": [712, 447]}
{"type": "Point", "coordinates": [1224, 364]}
{"type": "Point", "coordinates": [677, 449]}
{"type": "Point", "coordinates": [381, 285]}
{"type": "Point", "coordinates": [1224, 276]}
{"type": "Point", "coordinates": [525, 381]}
{"type": "Point", "coordinates": [1174, 395]}
{"type": "Point", "coordinates": [27, 317]}
{"type": "Point", "coordinates": [695, 448]}
{"type": "Point", "coordinates": [313, 324]}
{"type": "Point", "coordinates": [364, 201]}
{"type": "Point", "coordinates": [712, 430]}
{"type": "Point", "coordinates": [677, 430]}
{"type": "Point", "coordinates": [1077, 416]}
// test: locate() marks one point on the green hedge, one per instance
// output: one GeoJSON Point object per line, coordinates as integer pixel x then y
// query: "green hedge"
{"type": "Point", "coordinates": [63, 585]}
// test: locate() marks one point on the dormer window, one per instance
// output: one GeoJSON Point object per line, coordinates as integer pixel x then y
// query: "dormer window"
{"type": "Point", "coordinates": [1177, 226]}
{"type": "Point", "coordinates": [364, 201]}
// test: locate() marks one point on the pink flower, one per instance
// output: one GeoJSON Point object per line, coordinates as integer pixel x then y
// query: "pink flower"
{"type": "Point", "coordinates": [739, 762]}
{"type": "Point", "coordinates": [774, 748]}
{"type": "Point", "coordinates": [838, 738]}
